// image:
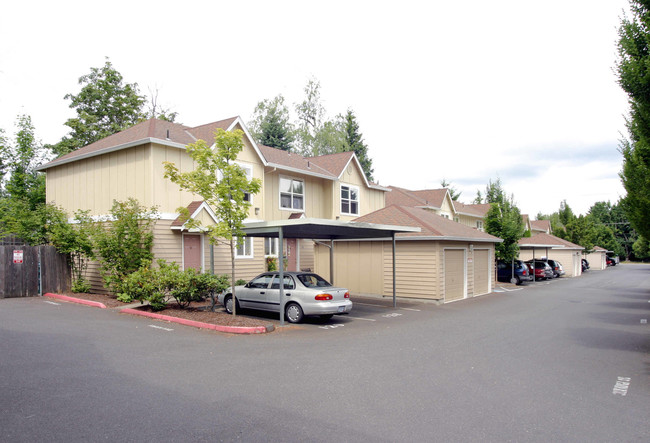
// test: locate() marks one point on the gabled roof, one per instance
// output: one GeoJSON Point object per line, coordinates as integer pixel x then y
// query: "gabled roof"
{"type": "Point", "coordinates": [427, 198]}
{"type": "Point", "coordinates": [474, 210]}
{"type": "Point", "coordinates": [541, 225]}
{"type": "Point", "coordinates": [152, 130]}
{"type": "Point", "coordinates": [543, 239]}
{"type": "Point", "coordinates": [433, 226]}
{"type": "Point", "coordinates": [294, 162]}
{"type": "Point", "coordinates": [599, 249]}
{"type": "Point", "coordinates": [194, 210]}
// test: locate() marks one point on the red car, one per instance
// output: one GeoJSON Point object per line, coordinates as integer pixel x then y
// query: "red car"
{"type": "Point", "coordinates": [542, 269]}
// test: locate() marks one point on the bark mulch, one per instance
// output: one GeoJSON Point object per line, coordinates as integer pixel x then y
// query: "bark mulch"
{"type": "Point", "coordinates": [197, 311]}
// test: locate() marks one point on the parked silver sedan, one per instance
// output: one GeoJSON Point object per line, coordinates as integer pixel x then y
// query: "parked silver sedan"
{"type": "Point", "coordinates": [305, 293]}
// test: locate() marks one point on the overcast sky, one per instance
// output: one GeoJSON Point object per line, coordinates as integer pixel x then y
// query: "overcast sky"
{"type": "Point", "coordinates": [465, 91]}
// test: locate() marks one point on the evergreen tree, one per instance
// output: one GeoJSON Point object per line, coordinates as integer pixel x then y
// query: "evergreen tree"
{"type": "Point", "coordinates": [453, 192]}
{"type": "Point", "coordinates": [633, 68]}
{"type": "Point", "coordinates": [355, 142]}
{"type": "Point", "coordinates": [270, 125]}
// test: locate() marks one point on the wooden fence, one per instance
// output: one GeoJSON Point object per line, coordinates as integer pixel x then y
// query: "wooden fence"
{"type": "Point", "coordinates": [29, 271]}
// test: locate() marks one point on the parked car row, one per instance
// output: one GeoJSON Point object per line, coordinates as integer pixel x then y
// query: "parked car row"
{"type": "Point", "coordinates": [528, 271]}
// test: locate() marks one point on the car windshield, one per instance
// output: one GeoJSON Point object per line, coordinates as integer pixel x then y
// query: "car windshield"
{"type": "Point", "coordinates": [313, 281]}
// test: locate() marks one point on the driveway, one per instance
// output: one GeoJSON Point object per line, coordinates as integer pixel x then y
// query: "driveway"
{"type": "Point", "coordinates": [566, 361]}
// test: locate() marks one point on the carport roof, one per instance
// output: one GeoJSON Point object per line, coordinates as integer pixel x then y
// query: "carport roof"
{"type": "Point", "coordinates": [544, 240]}
{"type": "Point", "coordinates": [323, 229]}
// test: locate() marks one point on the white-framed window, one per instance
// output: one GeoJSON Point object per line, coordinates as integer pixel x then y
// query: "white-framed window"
{"type": "Point", "coordinates": [445, 216]}
{"type": "Point", "coordinates": [271, 247]}
{"type": "Point", "coordinates": [457, 219]}
{"type": "Point", "coordinates": [248, 170]}
{"type": "Point", "coordinates": [479, 224]}
{"type": "Point", "coordinates": [349, 200]}
{"type": "Point", "coordinates": [244, 247]}
{"type": "Point", "coordinates": [292, 194]}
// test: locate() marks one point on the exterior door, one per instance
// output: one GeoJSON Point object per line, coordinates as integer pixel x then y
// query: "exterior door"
{"type": "Point", "coordinates": [292, 254]}
{"type": "Point", "coordinates": [192, 252]}
{"type": "Point", "coordinates": [454, 274]}
{"type": "Point", "coordinates": [481, 271]}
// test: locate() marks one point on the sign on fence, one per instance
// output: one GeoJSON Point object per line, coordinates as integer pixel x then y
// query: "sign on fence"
{"type": "Point", "coordinates": [32, 270]}
{"type": "Point", "coordinates": [18, 255]}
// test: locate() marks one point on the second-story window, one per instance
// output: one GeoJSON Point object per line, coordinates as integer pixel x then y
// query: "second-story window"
{"type": "Point", "coordinates": [349, 200]}
{"type": "Point", "coordinates": [248, 170]}
{"type": "Point", "coordinates": [479, 225]}
{"type": "Point", "coordinates": [292, 194]}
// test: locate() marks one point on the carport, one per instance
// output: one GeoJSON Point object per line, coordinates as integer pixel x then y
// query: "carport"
{"type": "Point", "coordinates": [323, 229]}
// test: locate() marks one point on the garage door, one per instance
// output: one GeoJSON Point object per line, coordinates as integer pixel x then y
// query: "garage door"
{"type": "Point", "coordinates": [481, 271]}
{"type": "Point", "coordinates": [454, 274]}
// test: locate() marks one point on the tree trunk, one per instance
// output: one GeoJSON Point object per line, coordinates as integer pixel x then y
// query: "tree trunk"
{"type": "Point", "coordinates": [232, 276]}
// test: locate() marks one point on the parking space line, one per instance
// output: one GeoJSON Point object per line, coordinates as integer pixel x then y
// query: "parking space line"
{"type": "Point", "coordinates": [368, 304]}
{"type": "Point", "coordinates": [410, 309]}
{"type": "Point", "coordinates": [359, 318]}
{"type": "Point", "coordinates": [52, 303]}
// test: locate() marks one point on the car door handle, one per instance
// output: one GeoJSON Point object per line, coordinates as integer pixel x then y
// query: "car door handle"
{"type": "Point", "coordinates": [262, 292]}
{"type": "Point", "coordinates": [287, 294]}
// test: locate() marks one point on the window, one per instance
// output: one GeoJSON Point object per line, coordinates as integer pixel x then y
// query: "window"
{"type": "Point", "coordinates": [445, 216]}
{"type": "Point", "coordinates": [244, 247]}
{"type": "Point", "coordinates": [349, 200]}
{"type": "Point", "coordinates": [292, 194]}
{"type": "Point", "coordinates": [271, 247]}
{"type": "Point", "coordinates": [261, 282]}
{"type": "Point", "coordinates": [457, 220]}
{"type": "Point", "coordinates": [248, 170]}
{"type": "Point", "coordinates": [288, 282]}
{"type": "Point", "coordinates": [479, 224]}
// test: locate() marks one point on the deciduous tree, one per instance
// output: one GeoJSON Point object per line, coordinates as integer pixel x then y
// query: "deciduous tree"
{"type": "Point", "coordinates": [503, 220]}
{"type": "Point", "coordinates": [105, 105]}
{"type": "Point", "coordinates": [633, 69]}
{"type": "Point", "coordinates": [223, 185]}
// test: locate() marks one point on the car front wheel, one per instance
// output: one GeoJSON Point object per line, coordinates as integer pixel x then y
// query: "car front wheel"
{"type": "Point", "coordinates": [227, 303]}
{"type": "Point", "coordinates": [515, 280]}
{"type": "Point", "coordinates": [294, 313]}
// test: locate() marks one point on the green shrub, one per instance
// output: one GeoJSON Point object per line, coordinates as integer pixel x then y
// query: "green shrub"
{"type": "Point", "coordinates": [271, 264]}
{"type": "Point", "coordinates": [143, 285]}
{"type": "Point", "coordinates": [240, 282]}
{"type": "Point", "coordinates": [80, 285]}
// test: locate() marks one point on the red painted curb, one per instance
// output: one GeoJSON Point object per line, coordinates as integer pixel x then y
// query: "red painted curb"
{"type": "Point", "coordinates": [198, 324]}
{"type": "Point", "coordinates": [76, 300]}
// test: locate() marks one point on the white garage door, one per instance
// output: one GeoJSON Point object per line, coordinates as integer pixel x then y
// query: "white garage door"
{"type": "Point", "coordinates": [454, 274]}
{"type": "Point", "coordinates": [481, 271]}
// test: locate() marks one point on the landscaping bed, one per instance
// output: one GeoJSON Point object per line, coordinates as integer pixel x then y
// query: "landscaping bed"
{"type": "Point", "coordinates": [197, 311]}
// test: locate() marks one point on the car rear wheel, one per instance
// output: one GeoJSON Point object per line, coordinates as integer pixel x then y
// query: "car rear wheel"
{"type": "Point", "coordinates": [294, 313]}
{"type": "Point", "coordinates": [515, 280]}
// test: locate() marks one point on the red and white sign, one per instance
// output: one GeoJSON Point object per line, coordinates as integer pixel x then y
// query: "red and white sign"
{"type": "Point", "coordinates": [18, 256]}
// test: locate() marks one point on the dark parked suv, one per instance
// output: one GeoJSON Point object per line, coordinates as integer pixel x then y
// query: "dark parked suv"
{"type": "Point", "coordinates": [522, 273]}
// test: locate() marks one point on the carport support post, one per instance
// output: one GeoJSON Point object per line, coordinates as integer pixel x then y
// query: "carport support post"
{"type": "Point", "coordinates": [394, 273]}
{"type": "Point", "coordinates": [281, 276]}
{"type": "Point", "coordinates": [332, 261]}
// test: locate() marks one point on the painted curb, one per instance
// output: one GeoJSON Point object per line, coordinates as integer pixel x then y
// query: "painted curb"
{"type": "Point", "coordinates": [198, 324]}
{"type": "Point", "coordinates": [96, 304]}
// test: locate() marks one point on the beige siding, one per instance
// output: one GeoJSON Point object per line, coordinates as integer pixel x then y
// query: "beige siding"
{"type": "Point", "coordinates": [446, 208]}
{"type": "Point", "coordinates": [597, 261]}
{"type": "Point", "coordinates": [571, 259]}
{"type": "Point", "coordinates": [317, 196]}
{"type": "Point", "coordinates": [416, 268]}
{"type": "Point", "coordinates": [245, 268]}
{"type": "Point", "coordinates": [306, 254]}
{"type": "Point", "coordinates": [370, 200]}
{"type": "Point", "coordinates": [93, 183]}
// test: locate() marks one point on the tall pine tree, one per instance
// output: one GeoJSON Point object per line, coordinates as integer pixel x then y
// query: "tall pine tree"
{"type": "Point", "coordinates": [355, 142]}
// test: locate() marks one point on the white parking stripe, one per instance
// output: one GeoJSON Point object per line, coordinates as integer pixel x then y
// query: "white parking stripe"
{"type": "Point", "coordinates": [368, 304]}
{"type": "Point", "coordinates": [359, 318]}
{"type": "Point", "coordinates": [410, 309]}
{"type": "Point", "coordinates": [160, 327]}
{"type": "Point", "coordinates": [52, 303]}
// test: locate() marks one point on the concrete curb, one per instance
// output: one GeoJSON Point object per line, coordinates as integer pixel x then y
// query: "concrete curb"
{"type": "Point", "coordinates": [198, 324]}
{"type": "Point", "coordinates": [96, 304]}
